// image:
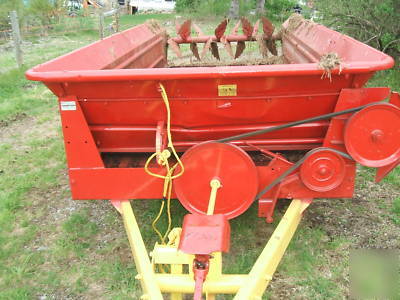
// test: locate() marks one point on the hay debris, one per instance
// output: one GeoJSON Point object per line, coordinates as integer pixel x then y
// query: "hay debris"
{"type": "Point", "coordinates": [154, 26]}
{"type": "Point", "coordinates": [297, 20]}
{"type": "Point", "coordinates": [262, 45]}
{"type": "Point", "coordinates": [272, 60]}
{"type": "Point", "coordinates": [294, 22]}
{"type": "Point", "coordinates": [328, 62]}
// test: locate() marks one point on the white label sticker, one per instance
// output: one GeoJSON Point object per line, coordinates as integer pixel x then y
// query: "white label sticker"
{"type": "Point", "coordinates": [68, 105]}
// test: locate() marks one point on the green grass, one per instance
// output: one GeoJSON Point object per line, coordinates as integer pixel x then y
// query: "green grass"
{"type": "Point", "coordinates": [396, 211]}
{"type": "Point", "coordinates": [39, 257]}
{"type": "Point", "coordinates": [78, 231]}
{"type": "Point", "coordinates": [50, 247]}
{"type": "Point", "coordinates": [388, 78]}
{"type": "Point", "coordinates": [131, 20]}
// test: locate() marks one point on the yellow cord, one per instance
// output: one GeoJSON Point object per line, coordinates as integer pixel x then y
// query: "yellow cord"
{"type": "Point", "coordinates": [155, 223]}
{"type": "Point", "coordinates": [162, 159]}
{"type": "Point", "coordinates": [165, 154]}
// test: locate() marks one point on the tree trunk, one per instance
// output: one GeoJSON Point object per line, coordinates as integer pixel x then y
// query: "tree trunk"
{"type": "Point", "coordinates": [260, 7]}
{"type": "Point", "coordinates": [234, 9]}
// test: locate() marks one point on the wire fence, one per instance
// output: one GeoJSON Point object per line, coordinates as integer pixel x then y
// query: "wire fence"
{"type": "Point", "coordinates": [5, 35]}
{"type": "Point", "coordinates": [101, 23]}
{"type": "Point", "coordinates": [64, 25]}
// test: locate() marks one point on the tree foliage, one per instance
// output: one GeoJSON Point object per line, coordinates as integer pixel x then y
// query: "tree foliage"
{"type": "Point", "coordinates": [275, 9]}
{"type": "Point", "coordinates": [34, 12]}
{"type": "Point", "coordinates": [5, 7]}
{"type": "Point", "coordinates": [45, 10]}
{"type": "Point", "coordinates": [375, 22]}
{"type": "Point", "coordinates": [279, 10]}
{"type": "Point", "coordinates": [186, 5]}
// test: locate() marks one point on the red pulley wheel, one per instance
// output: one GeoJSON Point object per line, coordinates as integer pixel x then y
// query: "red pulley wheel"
{"type": "Point", "coordinates": [372, 135]}
{"type": "Point", "coordinates": [230, 165]}
{"type": "Point", "coordinates": [323, 171]}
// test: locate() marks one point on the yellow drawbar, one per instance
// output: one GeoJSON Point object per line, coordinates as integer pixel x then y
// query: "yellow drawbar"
{"type": "Point", "coordinates": [180, 281]}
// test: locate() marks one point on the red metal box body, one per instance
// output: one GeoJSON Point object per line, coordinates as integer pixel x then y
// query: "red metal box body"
{"type": "Point", "coordinates": [110, 103]}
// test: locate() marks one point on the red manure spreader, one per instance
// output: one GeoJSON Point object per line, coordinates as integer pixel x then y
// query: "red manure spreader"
{"type": "Point", "coordinates": [220, 136]}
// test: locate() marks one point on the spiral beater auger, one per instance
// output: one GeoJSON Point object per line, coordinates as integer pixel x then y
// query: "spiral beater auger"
{"type": "Point", "coordinates": [265, 39]}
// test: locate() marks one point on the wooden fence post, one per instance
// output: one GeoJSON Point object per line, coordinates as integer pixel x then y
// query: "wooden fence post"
{"type": "Point", "coordinates": [117, 15]}
{"type": "Point", "coordinates": [16, 37]}
{"type": "Point", "coordinates": [101, 24]}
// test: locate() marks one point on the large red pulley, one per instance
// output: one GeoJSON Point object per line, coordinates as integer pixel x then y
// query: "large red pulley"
{"type": "Point", "coordinates": [372, 135]}
{"type": "Point", "coordinates": [230, 165]}
{"type": "Point", "coordinates": [323, 171]}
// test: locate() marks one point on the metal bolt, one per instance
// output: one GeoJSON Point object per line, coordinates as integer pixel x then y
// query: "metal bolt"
{"type": "Point", "coordinates": [377, 135]}
{"type": "Point", "coordinates": [323, 170]}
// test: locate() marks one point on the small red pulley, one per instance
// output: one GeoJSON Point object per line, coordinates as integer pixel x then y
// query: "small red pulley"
{"type": "Point", "coordinates": [323, 171]}
{"type": "Point", "coordinates": [372, 135]}
{"type": "Point", "coordinates": [230, 165]}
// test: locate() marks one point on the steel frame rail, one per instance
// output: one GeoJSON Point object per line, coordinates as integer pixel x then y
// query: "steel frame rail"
{"type": "Point", "coordinates": [250, 286]}
{"type": "Point", "coordinates": [266, 264]}
{"type": "Point", "coordinates": [142, 261]}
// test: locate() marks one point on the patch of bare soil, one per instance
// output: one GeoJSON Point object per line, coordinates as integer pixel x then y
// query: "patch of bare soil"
{"type": "Point", "coordinates": [364, 219]}
{"type": "Point", "coordinates": [23, 127]}
{"type": "Point", "coordinates": [285, 288]}
{"type": "Point", "coordinates": [4, 124]}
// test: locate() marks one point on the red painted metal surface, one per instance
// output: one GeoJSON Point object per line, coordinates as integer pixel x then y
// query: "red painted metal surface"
{"type": "Point", "coordinates": [395, 99]}
{"type": "Point", "coordinates": [383, 171]}
{"type": "Point", "coordinates": [203, 234]}
{"type": "Point", "coordinates": [227, 163]}
{"type": "Point", "coordinates": [201, 266]}
{"type": "Point", "coordinates": [323, 171]}
{"type": "Point", "coordinates": [372, 135]}
{"type": "Point", "coordinates": [110, 105]}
